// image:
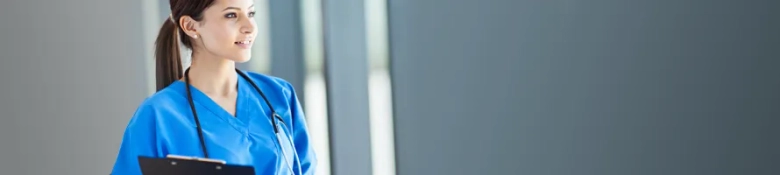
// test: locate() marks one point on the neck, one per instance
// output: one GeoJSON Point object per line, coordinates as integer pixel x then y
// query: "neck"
{"type": "Point", "coordinates": [213, 76]}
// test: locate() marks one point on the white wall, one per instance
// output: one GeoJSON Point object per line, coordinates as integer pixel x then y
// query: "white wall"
{"type": "Point", "coordinates": [71, 74]}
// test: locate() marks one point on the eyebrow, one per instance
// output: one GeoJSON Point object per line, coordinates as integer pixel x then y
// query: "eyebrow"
{"type": "Point", "coordinates": [236, 8]}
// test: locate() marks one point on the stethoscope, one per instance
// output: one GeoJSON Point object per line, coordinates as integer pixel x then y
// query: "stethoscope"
{"type": "Point", "coordinates": [274, 117]}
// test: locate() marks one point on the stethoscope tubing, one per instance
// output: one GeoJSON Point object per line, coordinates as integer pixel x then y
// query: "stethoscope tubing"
{"type": "Point", "coordinates": [273, 118]}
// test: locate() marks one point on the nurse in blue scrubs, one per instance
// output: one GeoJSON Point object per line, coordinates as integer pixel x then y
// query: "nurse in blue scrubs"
{"type": "Point", "coordinates": [243, 118]}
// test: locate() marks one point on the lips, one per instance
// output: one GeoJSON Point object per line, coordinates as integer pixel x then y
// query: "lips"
{"type": "Point", "coordinates": [244, 44]}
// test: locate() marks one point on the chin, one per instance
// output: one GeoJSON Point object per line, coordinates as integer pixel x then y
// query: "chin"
{"type": "Point", "coordinates": [241, 58]}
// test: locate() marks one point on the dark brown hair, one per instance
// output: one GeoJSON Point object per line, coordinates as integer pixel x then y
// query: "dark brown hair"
{"type": "Point", "coordinates": [167, 55]}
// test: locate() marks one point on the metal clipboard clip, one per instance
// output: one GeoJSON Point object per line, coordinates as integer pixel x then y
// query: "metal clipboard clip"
{"type": "Point", "coordinates": [172, 156]}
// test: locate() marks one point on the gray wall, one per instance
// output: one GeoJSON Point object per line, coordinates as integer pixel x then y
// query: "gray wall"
{"type": "Point", "coordinates": [71, 75]}
{"type": "Point", "coordinates": [586, 87]}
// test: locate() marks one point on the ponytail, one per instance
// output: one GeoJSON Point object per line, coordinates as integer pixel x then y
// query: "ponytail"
{"type": "Point", "coordinates": [168, 67]}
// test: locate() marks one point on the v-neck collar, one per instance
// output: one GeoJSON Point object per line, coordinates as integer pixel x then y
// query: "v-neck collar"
{"type": "Point", "coordinates": [242, 113]}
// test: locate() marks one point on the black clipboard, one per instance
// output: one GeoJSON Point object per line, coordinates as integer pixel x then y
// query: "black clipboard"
{"type": "Point", "coordinates": [180, 165]}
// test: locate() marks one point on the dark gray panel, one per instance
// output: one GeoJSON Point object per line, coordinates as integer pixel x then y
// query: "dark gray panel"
{"type": "Point", "coordinates": [586, 87]}
{"type": "Point", "coordinates": [347, 80]}
{"type": "Point", "coordinates": [286, 44]}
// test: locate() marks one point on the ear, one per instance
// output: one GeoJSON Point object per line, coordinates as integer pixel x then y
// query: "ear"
{"type": "Point", "coordinates": [189, 26]}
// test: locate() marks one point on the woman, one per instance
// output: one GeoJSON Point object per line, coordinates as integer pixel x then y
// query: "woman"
{"type": "Point", "coordinates": [230, 110]}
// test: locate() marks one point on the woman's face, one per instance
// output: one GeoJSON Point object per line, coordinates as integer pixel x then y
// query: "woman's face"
{"type": "Point", "coordinates": [227, 30]}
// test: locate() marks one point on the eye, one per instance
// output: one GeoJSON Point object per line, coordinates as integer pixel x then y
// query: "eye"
{"type": "Point", "coordinates": [251, 14]}
{"type": "Point", "coordinates": [230, 15]}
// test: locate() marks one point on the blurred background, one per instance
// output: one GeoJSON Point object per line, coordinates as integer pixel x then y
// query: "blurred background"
{"type": "Point", "coordinates": [412, 87]}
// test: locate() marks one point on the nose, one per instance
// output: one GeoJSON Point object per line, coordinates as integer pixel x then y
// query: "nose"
{"type": "Point", "coordinates": [248, 25]}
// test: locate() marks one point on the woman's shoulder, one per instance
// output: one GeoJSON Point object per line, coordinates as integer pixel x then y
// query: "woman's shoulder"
{"type": "Point", "coordinates": [266, 81]}
{"type": "Point", "coordinates": [161, 103]}
{"type": "Point", "coordinates": [166, 97]}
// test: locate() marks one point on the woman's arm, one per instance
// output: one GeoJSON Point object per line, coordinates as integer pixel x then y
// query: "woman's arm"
{"type": "Point", "coordinates": [303, 147]}
{"type": "Point", "coordinates": [140, 139]}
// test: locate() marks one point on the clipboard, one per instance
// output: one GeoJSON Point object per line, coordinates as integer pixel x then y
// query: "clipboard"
{"type": "Point", "coordinates": [181, 165]}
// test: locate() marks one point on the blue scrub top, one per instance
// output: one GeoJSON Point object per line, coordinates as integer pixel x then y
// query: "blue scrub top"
{"type": "Point", "coordinates": [163, 124]}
